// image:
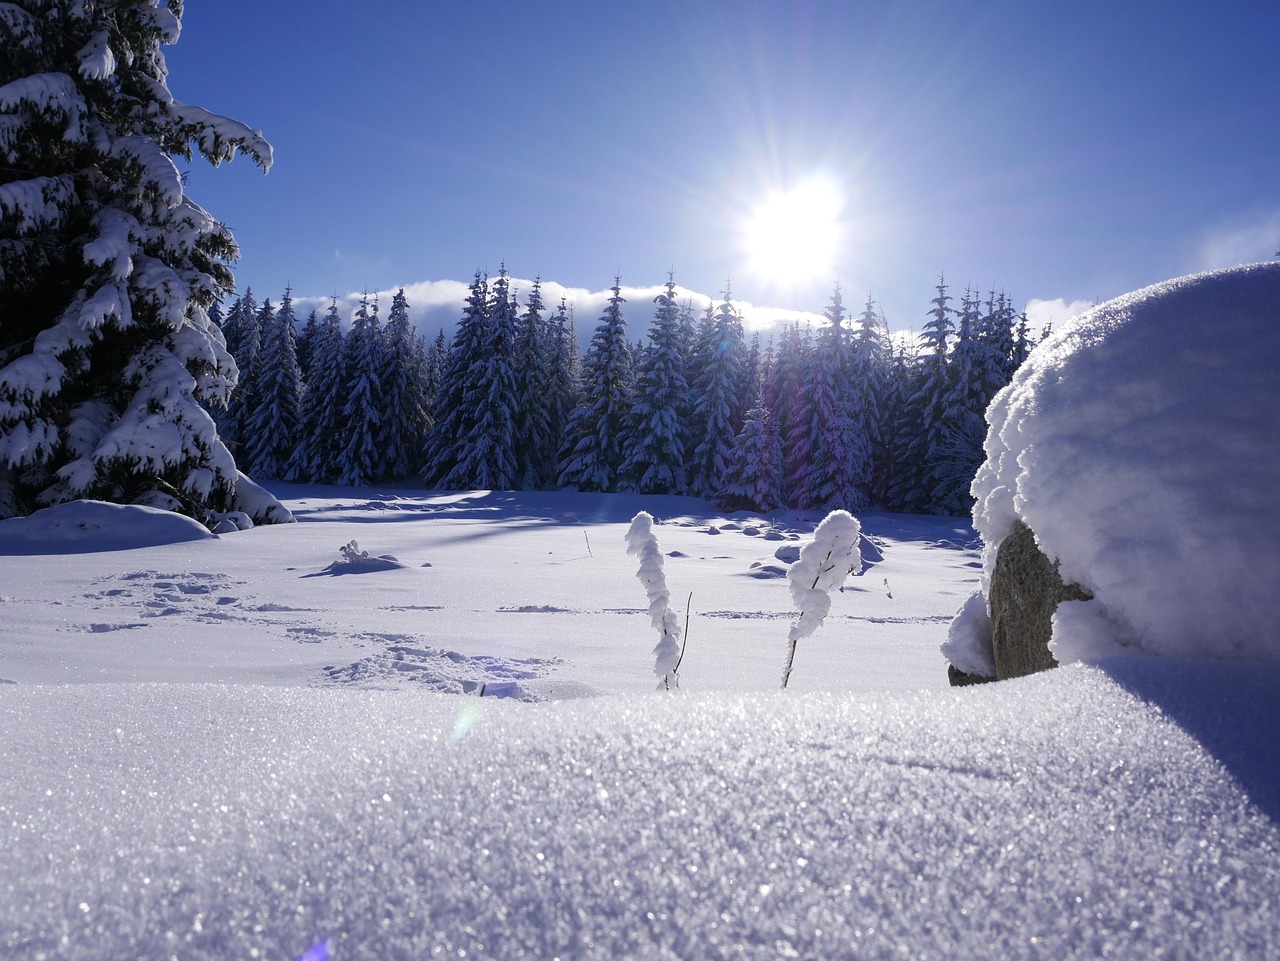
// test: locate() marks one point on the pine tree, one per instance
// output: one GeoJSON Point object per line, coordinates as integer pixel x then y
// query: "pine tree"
{"type": "Point", "coordinates": [792, 415]}
{"type": "Point", "coordinates": [108, 358]}
{"type": "Point", "coordinates": [721, 398]}
{"type": "Point", "coordinates": [486, 456]}
{"type": "Point", "coordinates": [593, 447]}
{"type": "Point", "coordinates": [754, 483]}
{"type": "Point", "coordinates": [563, 386]}
{"type": "Point", "coordinates": [432, 378]}
{"type": "Point", "coordinates": [655, 443]}
{"type": "Point", "coordinates": [453, 420]}
{"type": "Point", "coordinates": [834, 448]}
{"type": "Point", "coordinates": [307, 339]}
{"type": "Point", "coordinates": [918, 470]}
{"type": "Point", "coordinates": [864, 382]}
{"type": "Point", "coordinates": [956, 455]}
{"type": "Point", "coordinates": [271, 425]}
{"type": "Point", "coordinates": [404, 415]}
{"type": "Point", "coordinates": [248, 345]}
{"type": "Point", "coordinates": [361, 462]}
{"type": "Point", "coordinates": [321, 430]}
{"type": "Point", "coordinates": [534, 453]}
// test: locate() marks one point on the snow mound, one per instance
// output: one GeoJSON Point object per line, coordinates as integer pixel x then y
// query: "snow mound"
{"type": "Point", "coordinates": [1141, 443]}
{"type": "Point", "coordinates": [83, 527]}
{"type": "Point", "coordinates": [353, 560]}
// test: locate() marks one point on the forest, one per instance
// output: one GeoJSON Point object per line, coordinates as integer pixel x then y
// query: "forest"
{"type": "Point", "coordinates": [844, 416]}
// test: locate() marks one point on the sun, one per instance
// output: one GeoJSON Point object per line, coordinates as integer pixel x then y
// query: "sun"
{"type": "Point", "coordinates": [792, 237]}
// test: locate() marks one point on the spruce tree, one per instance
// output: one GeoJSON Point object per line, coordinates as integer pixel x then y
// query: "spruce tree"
{"type": "Point", "coordinates": [404, 416]}
{"type": "Point", "coordinates": [108, 358]}
{"type": "Point", "coordinates": [486, 455]}
{"type": "Point", "coordinates": [453, 420]}
{"type": "Point", "coordinates": [322, 438]}
{"type": "Point", "coordinates": [721, 398]}
{"type": "Point", "coordinates": [271, 424]}
{"type": "Point", "coordinates": [593, 450]}
{"type": "Point", "coordinates": [920, 466]}
{"type": "Point", "coordinates": [534, 453]}
{"type": "Point", "coordinates": [655, 443]}
{"type": "Point", "coordinates": [754, 482]}
{"type": "Point", "coordinates": [563, 386]}
{"type": "Point", "coordinates": [361, 461]}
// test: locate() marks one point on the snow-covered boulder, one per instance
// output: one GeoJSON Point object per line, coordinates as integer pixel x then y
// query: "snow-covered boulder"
{"type": "Point", "coordinates": [1141, 445]}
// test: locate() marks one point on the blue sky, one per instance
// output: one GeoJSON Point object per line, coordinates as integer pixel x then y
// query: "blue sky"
{"type": "Point", "coordinates": [1060, 151]}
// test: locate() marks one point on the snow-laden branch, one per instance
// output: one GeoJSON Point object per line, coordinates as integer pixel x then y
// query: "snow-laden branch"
{"type": "Point", "coordinates": [642, 543]}
{"type": "Point", "coordinates": [823, 565]}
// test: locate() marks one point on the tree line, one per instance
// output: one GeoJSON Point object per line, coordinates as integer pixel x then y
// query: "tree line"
{"type": "Point", "coordinates": [842, 416]}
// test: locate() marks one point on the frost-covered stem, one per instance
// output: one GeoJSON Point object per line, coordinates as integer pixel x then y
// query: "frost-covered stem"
{"type": "Point", "coordinates": [822, 566]}
{"type": "Point", "coordinates": [642, 543]}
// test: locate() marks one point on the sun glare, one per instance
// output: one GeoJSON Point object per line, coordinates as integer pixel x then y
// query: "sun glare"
{"type": "Point", "coordinates": [793, 235]}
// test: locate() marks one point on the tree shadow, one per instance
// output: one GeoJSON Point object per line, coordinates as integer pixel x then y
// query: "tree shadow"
{"type": "Point", "coordinates": [1231, 708]}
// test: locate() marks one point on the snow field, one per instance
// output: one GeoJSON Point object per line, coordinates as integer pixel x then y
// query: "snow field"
{"type": "Point", "coordinates": [1057, 816]}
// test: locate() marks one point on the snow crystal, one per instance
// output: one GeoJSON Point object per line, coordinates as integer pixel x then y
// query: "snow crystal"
{"type": "Point", "coordinates": [1139, 442]}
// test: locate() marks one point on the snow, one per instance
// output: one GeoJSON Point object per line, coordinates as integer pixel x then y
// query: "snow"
{"type": "Point", "coordinates": [1139, 443]}
{"type": "Point", "coordinates": [642, 544]}
{"type": "Point", "coordinates": [214, 748]}
{"type": "Point", "coordinates": [83, 526]}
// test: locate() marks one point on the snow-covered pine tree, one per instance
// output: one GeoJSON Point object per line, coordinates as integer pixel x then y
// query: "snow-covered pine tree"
{"type": "Point", "coordinates": [404, 416]}
{"type": "Point", "coordinates": [322, 436]}
{"type": "Point", "coordinates": [957, 453]}
{"type": "Point", "coordinates": [307, 339]}
{"type": "Point", "coordinates": [834, 447]}
{"type": "Point", "coordinates": [593, 445]}
{"type": "Point", "coordinates": [721, 398]}
{"type": "Point", "coordinates": [655, 442]}
{"type": "Point", "coordinates": [793, 415]}
{"type": "Point", "coordinates": [897, 478]}
{"type": "Point", "coordinates": [754, 482]}
{"type": "Point", "coordinates": [563, 386]}
{"type": "Point", "coordinates": [108, 359]}
{"type": "Point", "coordinates": [360, 462]}
{"type": "Point", "coordinates": [534, 453]}
{"type": "Point", "coordinates": [486, 448]}
{"type": "Point", "coordinates": [271, 426]}
{"type": "Point", "coordinates": [453, 420]}
{"type": "Point", "coordinates": [925, 409]}
{"type": "Point", "coordinates": [866, 381]}
{"type": "Point", "coordinates": [433, 377]}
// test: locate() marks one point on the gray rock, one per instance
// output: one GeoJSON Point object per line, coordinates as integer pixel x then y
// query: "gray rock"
{"type": "Point", "coordinates": [1025, 590]}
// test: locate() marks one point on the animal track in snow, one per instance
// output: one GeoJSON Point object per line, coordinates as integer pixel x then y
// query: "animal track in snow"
{"type": "Point", "coordinates": [450, 672]}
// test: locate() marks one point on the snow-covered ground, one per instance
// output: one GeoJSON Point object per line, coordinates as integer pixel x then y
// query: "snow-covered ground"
{"type": "Point", "coordinates": [262, 744]}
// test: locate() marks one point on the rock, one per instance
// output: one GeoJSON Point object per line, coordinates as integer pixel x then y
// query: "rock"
{"type": "Point", "coordinates": [959, 678]}
{"type": "Point", "coordinates": [1025, 590]}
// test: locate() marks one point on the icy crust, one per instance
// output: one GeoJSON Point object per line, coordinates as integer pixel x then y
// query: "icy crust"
{"type": "Point", "coordinates": [1056, 817]}
{"type": "Point", "coordinates": [1139, 442]}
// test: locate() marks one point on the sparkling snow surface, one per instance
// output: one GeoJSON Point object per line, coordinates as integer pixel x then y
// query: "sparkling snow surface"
{"type": "Point", "coordinates": [341, 790]}
{"type": "Point", "coordinates": [1141, 443]}
{"type": "Point", "coordinates": [1055, 817]}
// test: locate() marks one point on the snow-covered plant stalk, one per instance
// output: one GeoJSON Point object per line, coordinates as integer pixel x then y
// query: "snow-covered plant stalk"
{"type": "Point", "coordinates": [823, 565]}
{"type": "Point", "coordinates": [642, 543]}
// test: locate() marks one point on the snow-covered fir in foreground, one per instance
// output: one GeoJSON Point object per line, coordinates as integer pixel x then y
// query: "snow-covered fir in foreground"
{"type": "Point", "coordinates": [271, 744]}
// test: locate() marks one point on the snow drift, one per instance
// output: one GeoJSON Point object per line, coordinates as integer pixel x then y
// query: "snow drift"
{"type": "Point", "coordinates": [1139, 443]}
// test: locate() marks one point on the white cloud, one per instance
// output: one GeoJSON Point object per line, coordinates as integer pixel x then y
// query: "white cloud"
{"type": "Point", "coordinates": [1241, 242]}
{"type": "Point", "coordinates": [437, 304]}
{"type": "Point", "coordinates": [1045, 313]}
